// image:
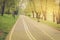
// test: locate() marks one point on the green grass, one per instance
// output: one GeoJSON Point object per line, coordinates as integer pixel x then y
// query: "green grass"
{"type": "Point", "coordinates": [6, 23]}
{"type": "Point", "coordinates": [52, 24]}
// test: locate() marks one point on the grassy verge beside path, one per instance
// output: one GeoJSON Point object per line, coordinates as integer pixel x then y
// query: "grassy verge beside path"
{"type": "Point", "coordinates": [52, 24]}
{"type": "Point", "coordinates": [6, 23]}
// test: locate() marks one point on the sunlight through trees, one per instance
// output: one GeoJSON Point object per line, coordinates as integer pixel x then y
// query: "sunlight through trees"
{"type": "Point", "coordinates": [44, 9]}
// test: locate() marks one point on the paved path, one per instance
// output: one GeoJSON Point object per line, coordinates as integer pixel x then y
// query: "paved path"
{"type": "Point", "coordinates": [28, 29]}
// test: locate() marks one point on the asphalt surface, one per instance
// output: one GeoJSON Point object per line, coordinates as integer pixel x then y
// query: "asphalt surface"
{"type": "Point", "coordinates": [28, 29]}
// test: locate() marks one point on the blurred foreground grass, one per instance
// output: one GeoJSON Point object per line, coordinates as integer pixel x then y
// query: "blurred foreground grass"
{"type": "Point", "coordinates": [6, 23]}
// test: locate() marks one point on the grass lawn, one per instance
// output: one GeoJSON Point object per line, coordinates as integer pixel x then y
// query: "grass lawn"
{"type": "Point", "coordinates": [6, 23]}
{"type": "Point", "coordinates": [52, 24]}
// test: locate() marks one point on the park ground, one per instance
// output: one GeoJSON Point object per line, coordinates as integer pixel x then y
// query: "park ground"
{"type": "Point", "coordinates": [27, 29]}
{"type": "Point", "coordinates": [6, 23]}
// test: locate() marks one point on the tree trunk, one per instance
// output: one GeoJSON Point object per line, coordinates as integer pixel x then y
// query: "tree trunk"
{"type": "Point", "coordinates": [53, 17]}
{"type": "Point", "coordinates": [33, 13]}
{"type": "Point", "coordinates": [36, 14]}
{"type": "Point", "coordinates": [44, 15]}
{"type": "Point", "coordinates": [58, 19]}
{"type": "Point", "coordinates": [3, 7]}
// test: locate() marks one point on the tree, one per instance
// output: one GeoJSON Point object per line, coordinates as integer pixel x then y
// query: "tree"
{"type": "Point", "coordinates": [58, 19]}
{"type": "Point", "coordinates": [45, 11]}
{"type": "Point", "coordinates": [8, 6]}
{"type": "Point", "coordinates": [58, 14]}
{"type": "Point", "coordinates": [32, 4]}
{"type": "Point", "coordinates": [3, 7]}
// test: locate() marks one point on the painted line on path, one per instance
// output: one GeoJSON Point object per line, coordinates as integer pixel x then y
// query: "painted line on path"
{"type": "Point", "coordinates": [11, 33]}
{"type": "Point", "coordinates": [27, 31]}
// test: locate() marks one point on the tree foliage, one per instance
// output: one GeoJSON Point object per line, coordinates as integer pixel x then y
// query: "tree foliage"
{"type": "Point", "coordinates": [44, 8]}
{"type": "Point", "coordinates": [7, 6]}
